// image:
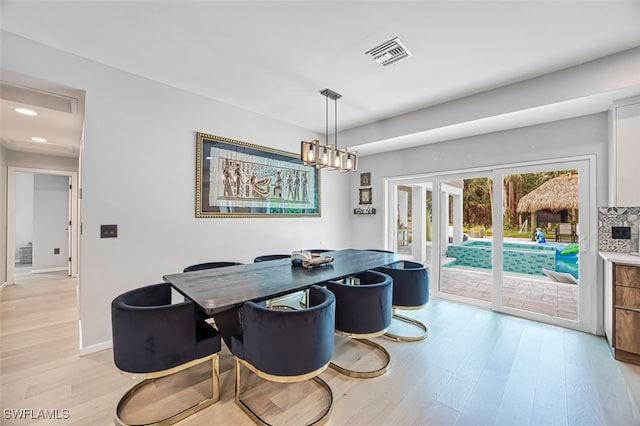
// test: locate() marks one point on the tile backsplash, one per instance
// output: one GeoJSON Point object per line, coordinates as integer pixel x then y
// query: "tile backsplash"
{"type": "Point", "coordinates": [618, 216]}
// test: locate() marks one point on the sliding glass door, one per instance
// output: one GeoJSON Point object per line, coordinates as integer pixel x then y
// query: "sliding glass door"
{"type": "Point", "coordinates": [513, 239]}
{"type": "Point", "coordinates": [465, 246]}
{"type": "Point", "coordinates": [545, 255]}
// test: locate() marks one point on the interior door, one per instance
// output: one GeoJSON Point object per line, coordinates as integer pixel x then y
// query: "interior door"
{"type": "Point", "coordinates": [69, 229]}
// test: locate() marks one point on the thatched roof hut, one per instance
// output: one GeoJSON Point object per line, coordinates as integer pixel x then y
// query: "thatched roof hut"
{"type": "Point", "coordinates": [560, 193]}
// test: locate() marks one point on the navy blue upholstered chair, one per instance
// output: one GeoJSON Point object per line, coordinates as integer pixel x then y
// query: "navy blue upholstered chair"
{"type": "Point", "coordinates": [268, 257]}
{"type": "Point", "coordinates": [410, 292]}
{"type": "Point", "coordinates": [205, 266]}
{"type": "Point", "coordinates": [265, 258]}
{"type": "Point", "coordinates": [155, 338]}
{"type": "Point", "coordinates": [286, 346]}
{"type": "Point", "coordinates": [363, 311]}
{"type": "Point", "coordinates": [209, 265]}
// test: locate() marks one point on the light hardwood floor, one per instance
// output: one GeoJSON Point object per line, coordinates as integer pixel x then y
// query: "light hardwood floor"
{"type": "Point", "coordinates": [476, 368]}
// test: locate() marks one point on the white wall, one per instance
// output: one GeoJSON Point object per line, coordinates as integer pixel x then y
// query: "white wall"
{"type": "Point", "coordinates": [24, 211]}
{"type": "Point", "coordinates": [138, 171]}
{"type": "Point", "coordinates": [44, 162]}
{"type": "Point", "coordinates": [560, 139]}
{"type": "Point", "coordinates": [625, 138]}
{"type": "Point", "coordinates": [50, 222]}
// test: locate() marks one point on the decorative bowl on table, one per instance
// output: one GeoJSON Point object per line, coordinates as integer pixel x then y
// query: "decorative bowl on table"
{"type": "Point", "coordinates": [306, 259]}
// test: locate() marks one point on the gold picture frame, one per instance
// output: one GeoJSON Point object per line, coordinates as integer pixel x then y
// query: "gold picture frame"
{"type": "Point", "coordinates": [242, 180]}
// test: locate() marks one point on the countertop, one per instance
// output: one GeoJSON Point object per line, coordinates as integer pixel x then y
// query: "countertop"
{"type": "Point", "coordinates": [626, 258]}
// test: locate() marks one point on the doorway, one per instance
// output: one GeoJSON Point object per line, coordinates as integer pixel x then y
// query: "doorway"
{"type": "Point", "coordinates": [42, 222]}
{"type": "Point", "coordinates": [411, 199]}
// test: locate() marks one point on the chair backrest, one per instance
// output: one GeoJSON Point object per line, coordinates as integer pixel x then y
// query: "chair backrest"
{"type": "Point", "coordinates": [565, 229]}
{"type": "Point", "coordinates": [209, 265]}
{"type": "Point", "coordinates": [318, 250]}
{"type": "Point", "coordinates": [363, 308]}
{"type": "Point", "coordinates": [149, 333]}
{"type": "Point", "coordinates": [410, 283]}
{"type": "Point", "coordinates": [267, 257]}
{"type": "Point", "coordinates": [286, 342]}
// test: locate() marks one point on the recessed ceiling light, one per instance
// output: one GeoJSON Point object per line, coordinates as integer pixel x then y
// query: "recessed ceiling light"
{"type": "Point", "coordinates": [26, 111]}
{"type": "Point", "coordinates": [37, 139]}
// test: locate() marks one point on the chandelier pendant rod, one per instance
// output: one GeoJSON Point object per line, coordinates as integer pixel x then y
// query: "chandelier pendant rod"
{"type": "Point", "coordinates": [335, 123]}
{"type": "Point", "coordinates": [326, 121]}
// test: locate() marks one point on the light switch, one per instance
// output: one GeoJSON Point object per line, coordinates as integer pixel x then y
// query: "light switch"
{"type": "Point", "coordinates": [108, 231]}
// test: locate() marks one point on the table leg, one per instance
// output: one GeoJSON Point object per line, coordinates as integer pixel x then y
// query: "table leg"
{"type": "Point", "coordinates": [228, 323]}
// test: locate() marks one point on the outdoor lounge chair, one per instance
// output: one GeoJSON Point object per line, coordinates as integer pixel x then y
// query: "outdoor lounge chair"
{"type": "Point", "coordinates": [560, 277]}
{"type": "Point", "coordinates": [565, 230]}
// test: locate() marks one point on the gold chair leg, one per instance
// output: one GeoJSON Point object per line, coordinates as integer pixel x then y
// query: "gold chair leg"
{"type": "Point", "coordinates": [271, 304]}
{"type": "Point", "coordinates": [258, 420]}
{"type": "Point", "coordinates": [215, 394]}
{"type": "Point", "coordinates": [304, 300]}
{"type": "Point", "coordinates": [285, 307]}
{"type": "Point", "coordinates": [412, 321]}
{"type": "Point", "coordinates": [365, 374]}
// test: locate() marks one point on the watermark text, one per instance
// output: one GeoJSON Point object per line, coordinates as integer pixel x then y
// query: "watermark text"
{"type": "Point", "coordinates": [36, 414]}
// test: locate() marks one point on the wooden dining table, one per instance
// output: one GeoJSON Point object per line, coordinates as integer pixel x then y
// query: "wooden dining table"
{"type": "Point", "coordinates": [221, 292]}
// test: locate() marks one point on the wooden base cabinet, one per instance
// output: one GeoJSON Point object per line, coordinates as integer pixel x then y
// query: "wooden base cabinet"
{"type": "Point", "coordinates": [626, 312]}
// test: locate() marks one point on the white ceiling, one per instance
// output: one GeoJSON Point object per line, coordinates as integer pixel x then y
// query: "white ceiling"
{"type": "Point", "coordinates": [59, 116]}
{"type": "Point", "coordinates": [274, 57]}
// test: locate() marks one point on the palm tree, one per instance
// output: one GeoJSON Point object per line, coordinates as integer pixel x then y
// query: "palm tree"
{"type": "Point", "coordinates": [512, 192]}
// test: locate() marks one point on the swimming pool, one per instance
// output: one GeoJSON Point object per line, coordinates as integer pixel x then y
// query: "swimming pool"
{"type": "Point", "coordinates": [522, 258]}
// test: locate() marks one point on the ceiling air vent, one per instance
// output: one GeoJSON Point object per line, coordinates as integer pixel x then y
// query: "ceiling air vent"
{"type": "Point", "coordinates": [389, 52]}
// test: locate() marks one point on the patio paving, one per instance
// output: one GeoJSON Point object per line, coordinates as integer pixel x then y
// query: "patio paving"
{"type": "Point", "coordinates": [531, 293]}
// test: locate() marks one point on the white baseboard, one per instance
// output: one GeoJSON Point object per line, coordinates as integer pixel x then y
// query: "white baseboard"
{"type": "Point", "coordinates": [40, 271]}
{"type": "Point", "coordinates": [87, 350]}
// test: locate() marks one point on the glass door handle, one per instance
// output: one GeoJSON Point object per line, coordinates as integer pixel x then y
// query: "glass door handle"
{"type": "Point", "coordinates": [583, 244]}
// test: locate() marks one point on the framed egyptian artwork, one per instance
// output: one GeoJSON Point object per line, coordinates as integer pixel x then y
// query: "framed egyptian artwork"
{"type": "Point", "coordinates": [240, 179]}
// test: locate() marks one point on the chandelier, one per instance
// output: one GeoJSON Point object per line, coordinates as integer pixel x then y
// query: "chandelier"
{"type": "Point", "coordinates": [329, 155]}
